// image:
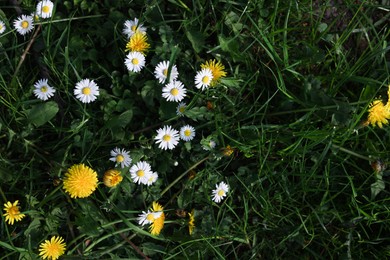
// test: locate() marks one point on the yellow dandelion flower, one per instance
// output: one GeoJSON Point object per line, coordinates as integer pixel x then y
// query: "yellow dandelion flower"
{"type": "Point", "coordinates": [378, 113]}
{"type": "Point", "coordinates": [227, 151]}
{"type": "Point", "coordinates": [112, 178]}
{"type": "Point", "coordinates": [80, 181]}
{"type": "Point", "coordinates": [12, 212]}
{"type": "Point", "coordinates": [217, 69]}
{"type": "Point", "coordinates": [138, 42]}
{"type": "Point", "coordinates": [52, 249]}
{"type": "Point", "coordinates": [191, 222]}
{"type": "Point", "coordinates": [158, 223]}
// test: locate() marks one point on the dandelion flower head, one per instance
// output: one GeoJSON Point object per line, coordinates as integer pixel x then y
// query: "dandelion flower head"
{"type": "Point", "coordinates": [45, 8]}
{"type": "Point", "coordinates": [378, 113]}
{"type": "Point", "coordinates": [52, 249]}
{"type": "Point", "coordinates": [133, 26]}
{"type": "Point", "coordinates": [158, 223]}
{"type": "Point", "coordinates": [112, 178]}
{"type": "Point", "coordinates": [167, 138]}
{"type": "Point", "coordinates": [42, 90]}
{"type": "Point", "coordinates": [12, 212]}
{"type": "Point", "coordinates": [86, 91]}
{"type": "Point", "coordinates": [138, 42]}
{"type": "Point", "coordinates": [220, 192]}
{"type": "Point", "coordinates": [80, 181]}
{"type": "Point", "coordinates": [120, 157]}
{"type": "Point", "coordinates": [217, 69]}
{"type": "Point", "coordinates": [24, 24]}
{"type": "Point", "coordinates": [191, 221]}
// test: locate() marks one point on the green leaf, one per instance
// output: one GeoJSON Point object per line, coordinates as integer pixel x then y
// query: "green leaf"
{"type": "Point", "coordinates": [377, 187]}
{"type": "Point", "coordinates": [196, 38]}
{"type": "Point", "coordinates": [42, 113]}
{"type": "Point", "coordinates": [120, 121]}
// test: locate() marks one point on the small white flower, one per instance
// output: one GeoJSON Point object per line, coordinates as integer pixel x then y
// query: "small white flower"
{"type": "Point", "coordinates": [42, 90]}
{"type": "Point", "coordinates": [24, 24]}
{"type": "Point", "coordinates": [161, 72]}
{"type": "Point", "coordinates": [187, 133]}
{"type": "Point", "coordinates": [174, 91]}
{"type": "Point", "coordinates": [121, 157]}
{"type": "Point", "coordinates": [86, 91]}
{"type": "Point", "coordinates": [132, 26]}
{"type": "Point", "coordinates": [181, 108]}
{"type": "Point", "coordinates": [45, 8]}
{"type": "Point", "coordinates": [167, 138]}
{"type": "Point", "coordinates": [210, 145]}
{"type": "Point", "coordinates": [135, 61]}
{"type": "Point", "coordinates": [203, 78]}
{"type": "Point", "coordinates": [152, 178]}
{"type": "Point", "coordinates": [2, 27]}
{"type": "Point", "coordinates": [140, 172]}
{"type": "Point", "coordinates": [220, 192]}
{"type": "Point", "coordinates": [148, 217]}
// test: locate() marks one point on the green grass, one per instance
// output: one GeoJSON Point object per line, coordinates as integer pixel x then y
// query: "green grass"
{"type": "Point", "coordinates": [300, 78]}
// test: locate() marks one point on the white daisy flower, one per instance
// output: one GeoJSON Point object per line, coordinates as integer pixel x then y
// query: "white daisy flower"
{"type": "Point", "coordinates": [24, 24]}
{"type": "Point", "coordinates": [45, 8]}
{"type": "Point", "coordinates": [220, 192]}
{"type": "Point", "coordinates": [121, 157]}
{"type": "Point", "coordinates": [187, 133]}
{"type": "Point", "coordinates": [174, 91]}
{"type": "Point", "coordinates": [2, 27]}
{"type": "Point", "coordinates": [152, 178]}
{"type": "Point", "coordinates": [148, 217]}
{"type": "Point", "coordinates": [167, 138]}
{"type": "Point", "coordinates": [140, 172]}
{"type": "Point", "coordinates": [181, 108]}
{"type": "Point", "coordinates": [161, 72]}
{"type": "Point", "coordinates": [132, 26]}
{"type": "Point", "coordinates": [86, 91]}
{"type": "Point", "coordinates": [42, 90]}
{"type": "Point", "coordinates": [203, 78]}
{"type": "Point", "coordinates": [135, 61]}
{"type": "Point", "coordinates": [210, 145]}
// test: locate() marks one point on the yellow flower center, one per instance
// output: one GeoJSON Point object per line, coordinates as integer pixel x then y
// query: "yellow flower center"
{"type": "Point", "coordinates": [166, 138]}
{"type": "Point", "coordinates": [135, 61]}
{"type": "Point", "coordinates": [45, 9]}
{"type": "Point", "coordinates": [24, 24]}
{"type": "Point", "coordinates": [205, 80]}
{"type": "Point", "coordinates": [181, 109]}
{"type": "Point", "coordinates": [86, 90]}
{"type": "Point", "coordinates": [13, 211]}
{"type": "Point", "coordinates": [120, 158]}
{"type": "Point", "coordinates": [165, 72]}
{"type": "Point", "coordinates": [221, 193]}
{"type": "Point", "coordinates": [187, 132]}
{"type": "Point", "coordinates": [140, 173]}
{"type": "Point", "coordinates": [133, 28]}
{"type": "Point", "coordinates": [174, 92]}
{"type": "Point", "coordinates": [150, 217]}
{"type": "Point", "coordinates": [116, 179]}
{"type": "Point", "coordinates": [43, 89]}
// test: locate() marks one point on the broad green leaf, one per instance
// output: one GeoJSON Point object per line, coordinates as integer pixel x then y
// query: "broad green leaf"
{"type": "Point", "coordinates": [196, 38]}
{"type": "Point", "coordinates": [42, 113]}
